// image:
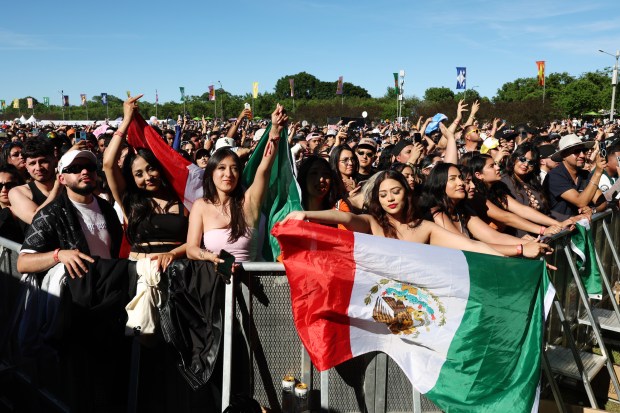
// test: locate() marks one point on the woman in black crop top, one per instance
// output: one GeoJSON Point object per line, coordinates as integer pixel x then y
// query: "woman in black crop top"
{"type": "Point", "coordinates": [156, 220]}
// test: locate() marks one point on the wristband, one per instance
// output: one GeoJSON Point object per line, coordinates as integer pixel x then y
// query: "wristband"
{"type": "Point", "coordinates": [542, 230]}
{"type": "Point", "coordinates": [119, 133]}
{"type": "Point", "coordinates": [519, 250]}
{"type": "Point", "coordinates": [56, 251]}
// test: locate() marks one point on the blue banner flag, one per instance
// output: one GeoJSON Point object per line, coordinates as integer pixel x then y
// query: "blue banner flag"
{"type": "Point", "coordinates": [104, 98]}
{"type": "Point", "coordinates": [461, 75]}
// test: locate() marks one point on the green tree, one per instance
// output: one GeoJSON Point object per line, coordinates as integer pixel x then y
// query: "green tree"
{"type": "Point", "coordinates": [438, 94]}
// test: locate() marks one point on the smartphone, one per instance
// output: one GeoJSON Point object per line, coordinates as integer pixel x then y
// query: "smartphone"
{"type": "Point", "coordinates": [417, 137]}
{"type": "Point", "coordinates": [247, 106]}
{"type": "Point", "coordinates": [225, 268]}
{"type": "Point", "coordinates": [602, 148]}
{"type": "Point", "coordinates": [82, 137]}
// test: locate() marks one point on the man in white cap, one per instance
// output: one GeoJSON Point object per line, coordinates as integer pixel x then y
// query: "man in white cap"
{"type": "Point", "coordinates": [73, 227]}
{"type": "Point", "coordinates": [569, 190]}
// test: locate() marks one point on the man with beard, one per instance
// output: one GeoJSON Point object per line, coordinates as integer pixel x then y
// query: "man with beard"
{"type": "Point", "coordinates": [26, 200]}
{"type": "Point", "coordinates": [74, 226]}
{"type": "Point", "coordinates": [569, 188]}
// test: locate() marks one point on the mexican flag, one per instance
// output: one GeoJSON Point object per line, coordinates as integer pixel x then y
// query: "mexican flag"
{"type": "Point", "coordinates": [582, 244]}
{"type": "Point", "coordinates": [283, 194]}
{"type": "Point", "coordinates": [466, 328]}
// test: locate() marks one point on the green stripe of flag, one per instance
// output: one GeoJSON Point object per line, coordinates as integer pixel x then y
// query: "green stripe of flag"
{"type": "Point", "coordinates": [493, 363]}
{"type": "Point", "coordinates": [283, 195]}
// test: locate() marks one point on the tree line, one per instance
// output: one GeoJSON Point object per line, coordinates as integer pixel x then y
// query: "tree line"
{"type": "Point", "coordinates": [314, 100]}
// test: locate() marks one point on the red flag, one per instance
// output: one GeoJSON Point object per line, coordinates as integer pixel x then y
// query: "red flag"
{"type": "Point", "coordinates": [211, 92]}
{"type": "Point", "coordinates": [541, 72]}
{"type": "Point", "coordinates": [184, 176]}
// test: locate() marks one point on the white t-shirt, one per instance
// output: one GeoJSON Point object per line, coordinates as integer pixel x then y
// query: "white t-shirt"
{"type": "Point", "coordinates": [95, 228]}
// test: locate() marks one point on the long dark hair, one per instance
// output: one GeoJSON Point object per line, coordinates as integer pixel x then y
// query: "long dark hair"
{"type": "Point", "coordinates": [434, 194]}
{"type": "Point", "coordinates": [6, 152]}
{"type": "Point", "coordinates": [138, 203]}
{"type": "Point", "coordinates": [376, 210]}
{"type": "Point", "coordinates": [238, 226]}
{"type": "Point", "coordinates": [302, 177]}
{"type": "Point", "coordinates": [532, 178]}
{"type": "Point", "coordinates": [334, 162]}
{"type": "Point", "coordinates": [496, 193]}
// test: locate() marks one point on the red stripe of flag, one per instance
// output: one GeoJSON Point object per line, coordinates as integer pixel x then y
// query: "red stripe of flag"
{"type": "Point", "coordinates": [316, 290]}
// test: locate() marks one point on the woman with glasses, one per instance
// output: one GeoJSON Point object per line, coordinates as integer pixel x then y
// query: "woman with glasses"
{"type": "Point", "coordinates": [496, 207]}
{"type": "Point", "coordinates": [345, 163]}
{"type": "Point", "coordinates": [522, 178]}
{"type": "Point", "coordinates": [9, 226]}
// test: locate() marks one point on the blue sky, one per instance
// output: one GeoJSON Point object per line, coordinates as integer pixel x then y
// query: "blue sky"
{"type": "Point", "coordinates": [114, 46]}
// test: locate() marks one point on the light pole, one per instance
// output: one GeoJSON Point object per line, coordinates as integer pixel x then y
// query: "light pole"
{"type": "Point", "coordinates": [472, 88]}
{"type": "Point", "coordinates": [614, 83]}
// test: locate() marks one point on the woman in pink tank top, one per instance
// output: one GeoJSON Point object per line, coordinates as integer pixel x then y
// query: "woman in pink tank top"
{"type": "Point", "coordinates": [227, 215]}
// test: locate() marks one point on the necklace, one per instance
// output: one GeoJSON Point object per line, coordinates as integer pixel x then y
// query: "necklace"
{"type": "Point", "coordinates": [223, 211]}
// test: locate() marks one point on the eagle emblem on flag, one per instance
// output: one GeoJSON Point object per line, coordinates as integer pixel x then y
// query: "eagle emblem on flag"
{"type": "Point", "coordinates": [405, 309]}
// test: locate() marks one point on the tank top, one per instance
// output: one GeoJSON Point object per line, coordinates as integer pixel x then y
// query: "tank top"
{"type": "Point", "coordinates": [244, 249]}
{"type": "Point", "coordinates": [164, 228]}
{"type": "Point", "coordinates": [38, 197]}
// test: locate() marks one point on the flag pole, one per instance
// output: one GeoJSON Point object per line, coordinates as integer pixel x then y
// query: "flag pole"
{"type": "Point", "coordinates": [62, 103]}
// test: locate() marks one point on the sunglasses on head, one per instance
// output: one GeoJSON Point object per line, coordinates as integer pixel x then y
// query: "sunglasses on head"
{"type": "Point", "coordinates": [523, 159]}
{"type": "Point", "coordinates": [7, 185]}
{"type": "Point", "coordinates": [76, 169]}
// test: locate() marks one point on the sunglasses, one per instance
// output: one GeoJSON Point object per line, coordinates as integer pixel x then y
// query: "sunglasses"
{"type": "Point", "coordinates": [76, 169]}
{"type": "Point", "coordinates": [523, 159]}
{"type": "Point", "coordinates": [368, 154]}
{"type": "Point", "coordinates": [473, 131]}
{"type": "Point", "coordinates": [16, 154]}
{"type": "Point", "coordinates": [7, 185]}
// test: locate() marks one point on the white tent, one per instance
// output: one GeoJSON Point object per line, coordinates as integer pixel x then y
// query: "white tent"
{"type": "Point", "coordinates": [31, 120]}
{"type": "Point", "coordinates": [22, 119]}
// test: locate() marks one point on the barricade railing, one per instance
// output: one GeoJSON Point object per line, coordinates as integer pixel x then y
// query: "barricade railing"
{"type": "Point", "coordinates": [373, 382]}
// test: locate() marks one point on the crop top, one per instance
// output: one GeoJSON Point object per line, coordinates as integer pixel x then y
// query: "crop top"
{"type": "Point", "coordinates": [163, 228]}
{"type": "Point", "coordinates": [243, 250]}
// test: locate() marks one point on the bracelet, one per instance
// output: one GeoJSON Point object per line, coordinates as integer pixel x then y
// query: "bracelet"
{"type": "Point", "coordinates": [119, 133]}
{"type": "Point", "coordinates": [519, 250]}
{"type": "Point", "coordinates": [542, 230]}
{"type": "Point", "coordinates": [56, 251]}
{"type": "Point", "coordinates": [202, 253]}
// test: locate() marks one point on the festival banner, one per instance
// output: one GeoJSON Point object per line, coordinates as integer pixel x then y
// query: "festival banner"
{"type": "Point", "coordinates": [46, 100]}
{"type": "Point", "coordinates": [540, 64]}
{"type": "Point", "coordinates": [128, 93]}
{"type": "Point", "coordinates": [156, 96]}
{"type": "Point", "coordinates": [30, 103]}
{"type": "Point", "coordinates": [464, 345]}
{"type": "Point", "coordinates": [83, 99]}
{"type": "Point", "coordinates": [104, 98]}
{"type": "Point", "coordinates": [291, 83]}
{"type": "Point", "coordinates": [15, 103]}
{"type": "Point", "coordinates": [339, 87]}
{"type": "Point", "coordinates": [461, 78]}
{"type": "Point", "coordinates": [182, 90]}
{"type": "Point", "coordinates": [65, 100]}
{"type": "Point", "coordinates": [3, 104]}
{"type": "Point", "coordinates": [255, 90]}
{"type": "Point", "coordinates": [211, 92]}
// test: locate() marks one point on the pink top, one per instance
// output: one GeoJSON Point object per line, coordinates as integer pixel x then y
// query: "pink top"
{"type": "Point", "coordinates": [243, 250]}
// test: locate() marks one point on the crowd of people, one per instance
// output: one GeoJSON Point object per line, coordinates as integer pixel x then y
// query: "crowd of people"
{"type": "Point", "coordinates": [70, 193]}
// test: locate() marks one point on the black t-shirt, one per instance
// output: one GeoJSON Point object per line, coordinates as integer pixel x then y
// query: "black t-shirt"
{"type": "Point", "coordinates": [559, 181]}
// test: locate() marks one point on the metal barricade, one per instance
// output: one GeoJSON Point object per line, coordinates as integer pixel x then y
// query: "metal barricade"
{"type": "Point", "coordinates": [372, 383]}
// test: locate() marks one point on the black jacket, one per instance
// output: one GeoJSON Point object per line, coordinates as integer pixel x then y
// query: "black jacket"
{"type": "Point", "coordinates": [192, 318]}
